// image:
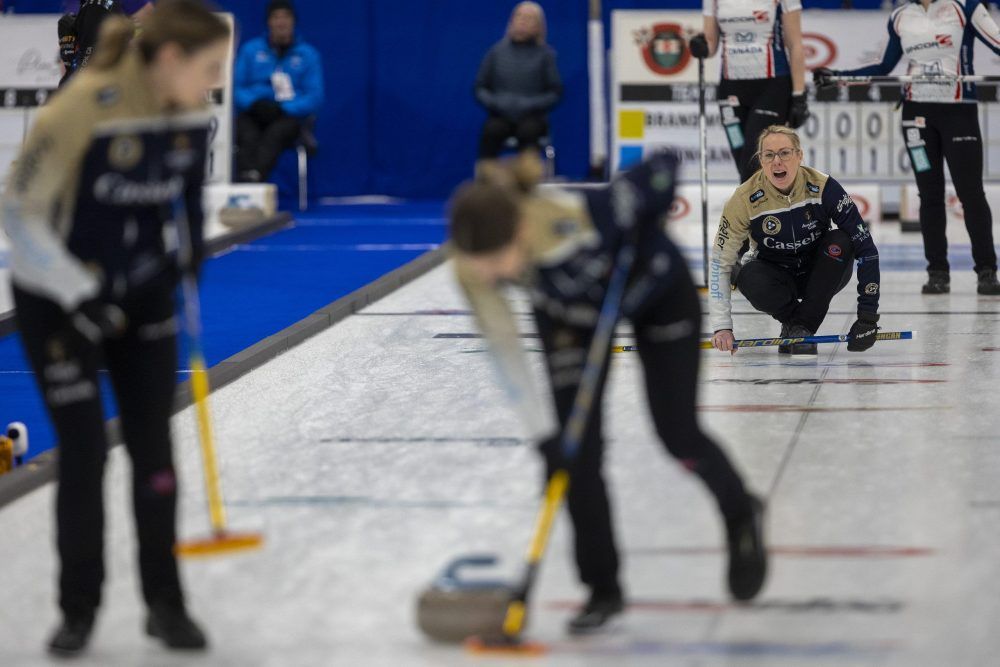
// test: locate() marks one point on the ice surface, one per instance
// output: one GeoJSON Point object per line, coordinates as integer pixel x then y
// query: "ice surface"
{"type": "Point", "coordinates": [374, 453]}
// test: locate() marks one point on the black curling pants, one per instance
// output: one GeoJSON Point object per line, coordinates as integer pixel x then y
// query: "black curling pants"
{"type": "Point", "coordinates": [935, 132]}
{"type": "Point", "coordinates": [667, 335]}
{"type": "Point", "coordinates": [142, 365]}
{"type": "Point", "coordinates": [261, 142]}
{"type": "Point", "coordinates": [496, 130]}
{"type": "Point", "coordinates": [801, 296]}
{"type": "Point", "coordinates": [759, 103]}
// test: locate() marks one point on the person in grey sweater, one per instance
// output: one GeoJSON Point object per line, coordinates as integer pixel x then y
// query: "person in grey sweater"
{"type": "Point", "coordinates": [518, 84]}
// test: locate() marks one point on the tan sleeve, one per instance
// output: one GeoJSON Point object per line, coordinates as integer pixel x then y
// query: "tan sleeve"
{"type": "Point", "coordinates": [734, 227]}
{"type": "Point", "coordinates": [44, 171]}
{"type": "Point", "coordinates": [496, 321]}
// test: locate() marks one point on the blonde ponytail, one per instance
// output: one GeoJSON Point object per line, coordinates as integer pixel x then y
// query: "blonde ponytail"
{"type": "Point", "coordinates": [528, 170]}
{"type": "Point", "coordinates": [519, 174]}
{"type": "Point", "coordinates": [115, 36]}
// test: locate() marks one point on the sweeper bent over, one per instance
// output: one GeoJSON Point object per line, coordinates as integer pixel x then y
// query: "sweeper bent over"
{"type": "Point", "coordinates": [562, 246]}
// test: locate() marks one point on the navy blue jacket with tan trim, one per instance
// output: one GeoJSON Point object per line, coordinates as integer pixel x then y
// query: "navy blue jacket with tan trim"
{"type": "Point", "coordinates": [784, 229]}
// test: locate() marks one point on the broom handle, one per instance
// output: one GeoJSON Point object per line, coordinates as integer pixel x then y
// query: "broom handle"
{"type": "Point", "coordinates": [703, 168]}
{"type": "Point", "coordinates": [913, 78]}
{"type": "Point", "coordinates": [770, 342]}
{"type": "Point", "coordinates": [555, 490]}
{"type": "Point", "coordinates": [199, 373]}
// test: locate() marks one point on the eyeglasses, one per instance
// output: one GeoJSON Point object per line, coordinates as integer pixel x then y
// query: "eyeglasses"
{"type": "Point", "coordinates": [785, 154]}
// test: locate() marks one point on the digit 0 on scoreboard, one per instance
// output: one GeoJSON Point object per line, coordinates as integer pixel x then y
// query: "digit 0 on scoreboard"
{"type": "Point", "coordinates": [877, 127]}
{"type": "Point", "coordinates": [815, 139]}
{"type": "Point", "coordinates": [845, 140]}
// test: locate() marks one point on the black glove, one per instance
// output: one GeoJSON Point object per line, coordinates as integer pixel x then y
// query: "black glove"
{"type": "Point", "coordinates": [96, 320]}
{"type": "Point", "coordinates": [551, 450]}
{"type": "Point", "coordinates": [798, 110]}
{"type": "Point", "coordinates": [265, 112]}
{"type": "Point", "coordinates": [821, 77]}
{"type": "Point", "coordinates": [862, 333]}
{"type": "Point", "coordinates": [67, 39]}
{"type": "Point", "coordinates": [698, 46]}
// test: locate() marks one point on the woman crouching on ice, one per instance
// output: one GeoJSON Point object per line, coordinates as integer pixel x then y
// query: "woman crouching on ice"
{"type": "Point", "coordinates": [798, 261]}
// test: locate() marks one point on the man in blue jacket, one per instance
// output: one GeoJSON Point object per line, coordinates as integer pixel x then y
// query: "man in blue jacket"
{"type": "Point", "coordinates": [278, 84]}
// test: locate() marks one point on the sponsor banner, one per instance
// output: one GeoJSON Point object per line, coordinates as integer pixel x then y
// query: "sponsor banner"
{"type": "Point", "coordinates": [30, 55]}
{"type": "Point", "coordinates": [220, 158]}
{"type": "Point", "coordinates": [651, 46]}
{"type": "Point", "coordinates": [646, 128]}
{"type": "Point", "coordinates": [30, 70]}
{"type": "Point", "coordinates": [655, 95]}
{"type": "Point", "coordinates": [909, 205]}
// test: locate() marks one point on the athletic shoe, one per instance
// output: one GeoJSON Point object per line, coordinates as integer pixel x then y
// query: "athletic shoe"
{"type": "Point", "coordinates": [595, 616]}
{"type": "Point", "coordinates": [938, 282]}
{"type": "Point", "coordinates": [988, 283]}
{"type": "Point", "coordinates": [799, 331]}
{"type": "Point", "coordinates": [170, 623]}
{"type": "Point", "coordinates": [72, 636]}
{"type": "Point", "coordinates": [747, 552]}
{"type": "Point", "coordinates": [784, 349]}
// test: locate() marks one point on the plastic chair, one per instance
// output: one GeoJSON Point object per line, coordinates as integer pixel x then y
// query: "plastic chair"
{"type": "Point", "coordinates": [306, 146]}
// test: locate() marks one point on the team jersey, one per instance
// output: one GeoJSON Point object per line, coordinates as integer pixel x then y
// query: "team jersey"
{"type": "Point", "coordinates": [783, 229]}
{"type": "Point", "coordinates": [938, 40]}
{"type": "Point", "coordinates": [574, 239]}
{"type": "Point", "coordinates": [89, 17]}
{"type": "Point", "coordinates": [751, 39]}
{"type": "Point", "coordinates": [99, 175]}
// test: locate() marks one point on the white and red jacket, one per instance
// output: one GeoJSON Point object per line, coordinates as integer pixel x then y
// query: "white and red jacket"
{"type": "Point", "coordinates": [751, 40]}
{"type": "Point", "coordinates": [937, 40]}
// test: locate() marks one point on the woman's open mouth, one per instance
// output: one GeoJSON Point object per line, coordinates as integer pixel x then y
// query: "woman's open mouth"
{"type": "Point", "coordinates": [779, 174]}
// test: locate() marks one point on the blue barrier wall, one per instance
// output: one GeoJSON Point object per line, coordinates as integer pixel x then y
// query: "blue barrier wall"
{"type": "Point", "coordinates": [400, 118]}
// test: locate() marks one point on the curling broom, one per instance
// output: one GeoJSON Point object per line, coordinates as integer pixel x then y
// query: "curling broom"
{"type": "Point", "coordinates": [492, 614]}
{"type": "Point", "coordinates": [771, 342]}
{"type": "Point", "coordinates": [221, 540]}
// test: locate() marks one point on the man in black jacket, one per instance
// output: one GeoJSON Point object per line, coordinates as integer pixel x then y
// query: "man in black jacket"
{"type": "Point", "coordinates": [78, 31]}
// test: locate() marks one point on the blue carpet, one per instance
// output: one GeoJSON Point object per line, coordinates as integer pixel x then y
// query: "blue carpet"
{"type": "Point", "coordinates": [258, 289]}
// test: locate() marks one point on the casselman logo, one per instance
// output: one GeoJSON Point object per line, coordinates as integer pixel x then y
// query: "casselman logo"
{"type": "Point", "coordinates": [663, 48]}
{"type": "Point", "coordinates": [117, 190]}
